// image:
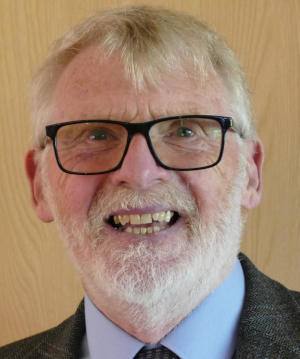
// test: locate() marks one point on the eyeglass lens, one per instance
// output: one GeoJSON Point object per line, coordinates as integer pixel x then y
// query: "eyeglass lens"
{"type": "Point", "coordinates": [93, 147]}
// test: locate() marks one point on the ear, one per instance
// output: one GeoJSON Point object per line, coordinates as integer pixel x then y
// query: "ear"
{"type": "Point", "coordinates": [33, 171]}
{"type": "Point", "coordinates": [253, 182]}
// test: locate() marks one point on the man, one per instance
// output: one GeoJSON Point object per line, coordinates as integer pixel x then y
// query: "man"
{"type": "Point", "coordinates": [145, 155]}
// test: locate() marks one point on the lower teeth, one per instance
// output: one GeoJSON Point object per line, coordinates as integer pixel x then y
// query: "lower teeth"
{"type": "Point", "coordinates": [143, 230]}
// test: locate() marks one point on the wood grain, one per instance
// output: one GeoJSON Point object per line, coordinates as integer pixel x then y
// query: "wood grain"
{"type": "Point", "coordinates": [39, 286]}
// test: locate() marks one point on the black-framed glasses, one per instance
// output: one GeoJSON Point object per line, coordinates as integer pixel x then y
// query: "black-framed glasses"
{"type": "Point", "coordinates": [180, 143]}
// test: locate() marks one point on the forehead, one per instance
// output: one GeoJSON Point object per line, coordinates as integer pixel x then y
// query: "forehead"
{"type": "Point", "coordinates": [93, 86]}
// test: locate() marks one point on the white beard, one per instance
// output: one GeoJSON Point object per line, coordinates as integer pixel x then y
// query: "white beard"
{"type": "Point", "coordinates": [149, 286]}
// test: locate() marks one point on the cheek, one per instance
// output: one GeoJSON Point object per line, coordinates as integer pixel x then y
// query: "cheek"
{"type": "Point", "coordinates": [212, 186]}
{"type": "Point", "coordinates": [73, 194]}
{"type": "Point", "coordinates": [207, 188]}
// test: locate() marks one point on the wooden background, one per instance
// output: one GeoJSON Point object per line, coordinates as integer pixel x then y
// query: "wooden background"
{"type": "Point", "coordinates": [39, 287]}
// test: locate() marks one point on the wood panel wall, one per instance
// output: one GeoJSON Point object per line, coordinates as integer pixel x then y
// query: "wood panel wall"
{"type": "Point", "coordinates": [39, 287]}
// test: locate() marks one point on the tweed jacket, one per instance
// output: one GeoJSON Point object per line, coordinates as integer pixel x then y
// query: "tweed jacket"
{"type": "Point", "coordinates": [269, 326]}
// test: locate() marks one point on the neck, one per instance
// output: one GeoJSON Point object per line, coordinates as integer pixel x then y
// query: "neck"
{"type": "Point", "coordinates": [148, 325]}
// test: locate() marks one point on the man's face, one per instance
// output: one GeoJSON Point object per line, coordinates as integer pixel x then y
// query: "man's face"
{"type": "Point", "coordinates": [144, 272]}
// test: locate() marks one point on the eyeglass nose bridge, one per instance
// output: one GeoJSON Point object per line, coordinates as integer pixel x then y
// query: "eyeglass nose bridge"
{"type": "Point", "coordinates": [142, 128]}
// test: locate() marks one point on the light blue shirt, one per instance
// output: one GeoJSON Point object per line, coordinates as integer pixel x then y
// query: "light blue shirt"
{"type": "Point", "coordinates": [209, 331]}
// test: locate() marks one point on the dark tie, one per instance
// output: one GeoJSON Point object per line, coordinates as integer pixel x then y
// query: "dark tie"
{"type": "Point", "coordinates": [156, 353]}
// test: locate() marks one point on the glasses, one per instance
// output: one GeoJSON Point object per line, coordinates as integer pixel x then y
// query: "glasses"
{"type": "Point", "coordinates": [180, 143]}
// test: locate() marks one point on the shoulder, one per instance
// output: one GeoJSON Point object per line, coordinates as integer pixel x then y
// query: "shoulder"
{"type": "Point", "coordinates": [62, 341]}
{"type": "Point", "coordinates": [270, 321]}
{"type": "Point", "coordinates": [263, 291]}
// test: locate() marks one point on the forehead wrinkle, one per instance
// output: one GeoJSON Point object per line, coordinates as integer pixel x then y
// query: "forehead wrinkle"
{"type": "Point", "coordinates": [177, 110]}
{"type": "Point", "coordinates": [149, 113]}
{"type": "Point", "coordinates": [126, 113]}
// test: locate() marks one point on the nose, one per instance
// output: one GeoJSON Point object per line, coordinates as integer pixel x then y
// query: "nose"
{"type": "Point", "coordinates": [139, 169]}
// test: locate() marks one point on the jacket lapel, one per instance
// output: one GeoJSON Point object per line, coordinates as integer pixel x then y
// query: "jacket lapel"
{"type": "Point", "coordinates": [64, 342]}
{"type": "Point", "coordinates": [270, 318]}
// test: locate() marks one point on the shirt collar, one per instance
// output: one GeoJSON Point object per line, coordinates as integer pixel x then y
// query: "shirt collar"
{"type": "Point", "coordinates": [209, 331]}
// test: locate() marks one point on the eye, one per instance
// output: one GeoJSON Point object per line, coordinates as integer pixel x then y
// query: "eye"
{"type": "Point", "coordinates": [184, 132]}
{"type": "Point", "coordinates": [99, 134]}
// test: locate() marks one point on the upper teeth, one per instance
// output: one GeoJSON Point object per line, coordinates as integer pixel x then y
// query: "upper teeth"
{"type": "Point", "coordinates": [145, 218]}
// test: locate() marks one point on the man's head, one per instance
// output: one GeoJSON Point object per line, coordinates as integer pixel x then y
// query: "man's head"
{"type": "Point", "coordinates": [150, 243]}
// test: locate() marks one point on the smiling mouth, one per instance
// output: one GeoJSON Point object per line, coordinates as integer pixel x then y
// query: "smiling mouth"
{"type": "Point", "coordinates": [143, 224]}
